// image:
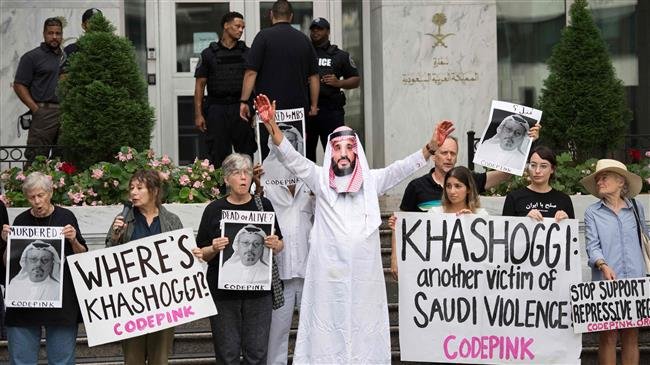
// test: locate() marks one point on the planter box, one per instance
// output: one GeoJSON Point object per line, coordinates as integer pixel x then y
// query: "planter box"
{"type": "Point", "coordinates": [94, 222]}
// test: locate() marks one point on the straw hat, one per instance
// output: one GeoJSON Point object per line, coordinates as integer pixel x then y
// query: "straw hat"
{"type": "Point", "coordinates": [633, 181]}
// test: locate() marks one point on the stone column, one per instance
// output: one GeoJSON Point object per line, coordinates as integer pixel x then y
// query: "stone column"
{"type": "Point", "coordinates": [430, 61]}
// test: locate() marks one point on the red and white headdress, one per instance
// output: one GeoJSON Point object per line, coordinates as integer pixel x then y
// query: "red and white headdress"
{"type": "Point", "coordinates": [341, 134]}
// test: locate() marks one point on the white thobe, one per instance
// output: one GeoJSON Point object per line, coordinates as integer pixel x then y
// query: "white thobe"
{"type": "Point", "coordinates": [343, 314]}
{"type": "Point", "coordinates": [24, 289]}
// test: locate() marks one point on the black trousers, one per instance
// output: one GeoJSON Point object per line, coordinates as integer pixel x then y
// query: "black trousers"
{"type": "Point", "coordinates": [320, 126]}
{"type": "Point", "coordinates": [44, 131]}
{"type": "Point", "coordinates": [242, 326]}
{"type": "Point", "coordinates": [227, 131]}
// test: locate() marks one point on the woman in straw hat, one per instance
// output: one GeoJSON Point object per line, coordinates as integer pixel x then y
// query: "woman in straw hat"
{"type": "Point", "coordinates": [613, 245]}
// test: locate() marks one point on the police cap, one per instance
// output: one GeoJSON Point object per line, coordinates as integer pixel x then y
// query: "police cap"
{"type": "Point", "coordinates": [320, 23]}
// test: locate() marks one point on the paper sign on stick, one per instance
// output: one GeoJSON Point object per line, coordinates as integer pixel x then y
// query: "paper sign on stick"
{"type": "Point", "coordinates": [292, 124]}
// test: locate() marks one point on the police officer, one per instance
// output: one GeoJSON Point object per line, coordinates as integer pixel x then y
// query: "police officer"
{"type": "Point", "coordinates": [333, 64]}
{"type": "Point", "coordinates": [36, 82]}
{"type": "Point", "coordinates": [70, 49]}
{"type": "Point", "coordinates": [221, 68]}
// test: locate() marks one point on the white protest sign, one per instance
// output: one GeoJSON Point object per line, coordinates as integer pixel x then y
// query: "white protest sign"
{"type": "Point", "coordinates": [140, 287]}
{"type": "Point", "coordinates": [292, 124]}
{"type": "Point", "coordinates": [609, 305]}
{"type": "Point", "coordinates": [35, 267]}
{"type": "Point", "coordinates": [486, 289]}
{"type": "Point", "coordinates": [505, 144]}
{"type": "Point", "coordinates": [246, 263]}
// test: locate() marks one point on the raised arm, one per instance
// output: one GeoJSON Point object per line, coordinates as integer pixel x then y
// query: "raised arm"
{"type": "Point", "coordinates": [392, 174]}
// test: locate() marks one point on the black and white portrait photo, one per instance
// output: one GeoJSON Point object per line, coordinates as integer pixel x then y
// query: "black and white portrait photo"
{"type": "Point", "coordinates": [246, 262]}
{"type": "Point", "coordinates": [292, 124]}
{"type": "Point", "coordinates": [34, 273]}
{"type": "Point", "coordinates": [505, 142]}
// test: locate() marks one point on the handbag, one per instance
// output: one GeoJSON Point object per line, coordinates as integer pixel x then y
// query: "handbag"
{"type": "Point", "coordinates": [277, 286]}
{"type": "Point", "coordinates": [644, 240]}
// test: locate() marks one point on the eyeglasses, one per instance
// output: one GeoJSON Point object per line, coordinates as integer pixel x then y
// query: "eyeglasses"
{"type": "Point", "coordinates": [254, 243]}
{"type": "Point", "coordinates": [42, 260]}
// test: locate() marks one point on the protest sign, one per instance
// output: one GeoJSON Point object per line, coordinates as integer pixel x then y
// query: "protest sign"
{"type": "Point", "coordinates": [505, 144]}
{"type": "Point", "coordinates": [486, 289]}
{"type": "Point", "coordinates": [611, 304]}
{"type": "Point", "coordinates": [246, 263]}
{"type": "Point", "coordinates": [140, 287]}
{"type": "Point", "coordinates": [35, 267]}
{"type": "Point", "coordinates": [292, 124]}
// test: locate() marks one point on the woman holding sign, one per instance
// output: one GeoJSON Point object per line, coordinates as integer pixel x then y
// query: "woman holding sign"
{"type": "Point", "coordinates": [38, 262]}
{"type": "Point", "coordinates": [243, 321]}
{"type": "Point", "coordinates": [539, 200]}
{"type": "Point", "coordinates": [460, 195]}
{"type": "Point", "coordinates": [613, 247]}
{"type": "Point", "coordinates": [147, 218]}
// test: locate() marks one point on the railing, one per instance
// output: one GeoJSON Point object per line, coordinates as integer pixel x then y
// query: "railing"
{"type": "Point", "coordinates": [18, 156]}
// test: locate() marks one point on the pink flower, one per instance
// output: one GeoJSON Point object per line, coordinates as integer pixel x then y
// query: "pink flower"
{"type": "Point", "coordinates": [121, 156]}
{"type": "Point", "coordinates": [129, 156]}
{"type": "Point", "coordinates": [647, 153]}
{"type": "Point", "coordinates": [165, 160]}
{"type": "Point", "coordinates": [164, 175]}
{"type": "Point", "coordinates": [58, 165]}
{"type": "Point", "coordinates": [154, 163]}
{"type": "Point", "coordinates": [20, 176]}
{"type": "Point", "coordinates": [61, 182]}
{"type": "Point", "coordinates": [215, 191]}
{"type": "Point", "coordinates": [197, 185]}
{"type": "Point", "coordinates": [205, 163]}
{"type": "Point", "coordinates": [91, 192]}
{"type": "Point", "coordinates": [77, 197]}
{"type": "Point", "coordinates": [93, 203]}
{"type": "Point", "coordinates": [189, 170]}
{"type": "Point", "coordinates": [97, 174]}
{"type": "Point", "coordinates": [190, 197]}
{"type": "Point", "coordinates": [184, 180]}
{"type": "Point", "coordinates": [211, 168]}
{"type": "Point", "coordinates": [150, 153]}
{"type": "Point", "coordinates": [116, 183]}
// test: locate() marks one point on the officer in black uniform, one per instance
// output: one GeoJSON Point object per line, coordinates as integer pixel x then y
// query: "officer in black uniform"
{"type": "Point", "coordinates": [333, 64]}
{"type": "Point", "coordinates": [221, 68]}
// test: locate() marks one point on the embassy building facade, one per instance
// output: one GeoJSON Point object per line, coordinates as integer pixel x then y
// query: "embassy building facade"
{"type": "Point", "coordinates": [420, 61]}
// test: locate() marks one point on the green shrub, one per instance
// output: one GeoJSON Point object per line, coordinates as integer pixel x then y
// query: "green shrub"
{"type": "Point", "coordinates": [584, 103]}
{"type": "Point", "coordinates": [104, 98]}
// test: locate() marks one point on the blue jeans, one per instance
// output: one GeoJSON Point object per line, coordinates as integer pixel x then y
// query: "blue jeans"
{"type": "Point", "coordinates": [24, 343]}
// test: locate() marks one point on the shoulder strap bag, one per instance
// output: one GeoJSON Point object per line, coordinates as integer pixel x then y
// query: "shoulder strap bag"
{"type": "Point", "coordinates": [644, 240]}
{"type": "Point", "coordinates": [277, 286]}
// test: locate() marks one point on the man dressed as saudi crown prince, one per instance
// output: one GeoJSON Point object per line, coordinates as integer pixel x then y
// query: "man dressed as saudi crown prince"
{"type": "Point", "coordinates": [343, 315]}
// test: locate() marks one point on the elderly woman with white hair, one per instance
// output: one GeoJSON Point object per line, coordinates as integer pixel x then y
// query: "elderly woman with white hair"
{"type": "Point", "coordinates": [244, 319]}
{"type": "Point", "coordinates": [24, 324]}
{"type": "Point", "coordinates": [612, 232]}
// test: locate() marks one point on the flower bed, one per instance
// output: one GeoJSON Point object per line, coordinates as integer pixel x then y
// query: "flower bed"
{"type": "Point", "coordinates": [106, 183]}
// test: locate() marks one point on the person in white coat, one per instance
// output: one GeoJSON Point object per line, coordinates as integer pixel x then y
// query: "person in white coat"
{"type": "Point", "coordinates": [343, 315]}
{"type": "Point", "coordinates": [294, 210]}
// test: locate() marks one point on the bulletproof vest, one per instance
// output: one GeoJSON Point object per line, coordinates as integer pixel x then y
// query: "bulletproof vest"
{"type": "Point", "coordinates": [226, 71]}
{"type": "Point", "coordinates": [326, 65]}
